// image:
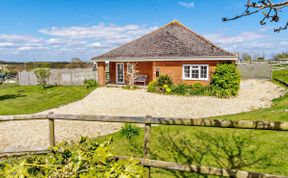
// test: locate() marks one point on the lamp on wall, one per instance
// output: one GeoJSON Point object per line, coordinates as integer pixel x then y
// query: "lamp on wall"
{"type": "Point", "coordinates": [157, 72]}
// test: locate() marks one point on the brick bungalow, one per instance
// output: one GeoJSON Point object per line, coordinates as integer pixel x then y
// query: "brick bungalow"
{"type": "Point", "coordinates": [173, 49]}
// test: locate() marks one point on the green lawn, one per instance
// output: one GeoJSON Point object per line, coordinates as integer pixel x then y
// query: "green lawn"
{"type": "Point", "coordinates": [278, 112]}
{"type": "Point", "coordinates": [281, 75]}
{"type": "Point", "coordinates": [32, 99]}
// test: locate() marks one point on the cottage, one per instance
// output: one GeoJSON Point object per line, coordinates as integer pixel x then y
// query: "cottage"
{"type": "Point", "coordinates": [173, 49]}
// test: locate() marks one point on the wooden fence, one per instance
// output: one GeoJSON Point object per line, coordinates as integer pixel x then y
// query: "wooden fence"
{"type": "Point", "coordinates": [148, 121]}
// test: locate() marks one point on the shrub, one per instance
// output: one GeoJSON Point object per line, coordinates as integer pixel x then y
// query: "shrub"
{"type": "Point", "coordinates": [152, 86]}
{"type": "Point", "coordinates": [199, 89]}
{"type": "Point", "coordinates": [164, 80]}
{"type": "Point", "coordinates": [129, 131]}
{"type": "Point", "coordinates": [85, 158]}
{"type": "Point", "coordinates": [90, 83]}
{"type": "Point", "coordinates": [226, 81]}
{"type": "Point", "coordinates": [42, 75]}
{"type": "Point", "coordinates": [181, 89]}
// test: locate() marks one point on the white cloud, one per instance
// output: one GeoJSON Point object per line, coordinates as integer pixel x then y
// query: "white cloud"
{"type": "Point", "coordinates": [6, 44]}
{"type": "Point", "coordinates": [63, 43]}
{"type": "Point", "coordinates": [242, 37]}
{"type": "Point", "coordinates": [97, 31]}
{"type": "Point", "coordinates": [186, 4]}
{"type": "Point", "coordinates": [256, 42]}
{"type": "Point", "coordinates": [32, 48]}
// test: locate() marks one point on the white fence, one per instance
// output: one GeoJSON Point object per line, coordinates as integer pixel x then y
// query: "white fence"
{"type": "Point", "coordinates": [59, 77]}
{"type": "Point", "coordinates": [255, 70]}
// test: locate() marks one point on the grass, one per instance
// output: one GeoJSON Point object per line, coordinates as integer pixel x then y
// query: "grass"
{"type": "Point", "coordinates": [281, 76]}
{"type": "Point", "coordinates": [277, 112]}
{"type": "Point", "coordinates": [16, 99]}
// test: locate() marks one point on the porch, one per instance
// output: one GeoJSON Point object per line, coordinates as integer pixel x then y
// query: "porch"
{"type": "Point", "coordinates": [114, 74]}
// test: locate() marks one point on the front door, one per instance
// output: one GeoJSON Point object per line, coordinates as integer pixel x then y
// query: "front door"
{"type": "Point", "coordinates": [120, 73]}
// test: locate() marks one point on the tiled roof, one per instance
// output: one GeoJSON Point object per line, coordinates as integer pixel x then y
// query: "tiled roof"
{"type": "Point", "coordinates": [170, 41]}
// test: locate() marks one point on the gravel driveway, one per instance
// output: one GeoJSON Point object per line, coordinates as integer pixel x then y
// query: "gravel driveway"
{"type": "Point", "coordinates": [116, 101]}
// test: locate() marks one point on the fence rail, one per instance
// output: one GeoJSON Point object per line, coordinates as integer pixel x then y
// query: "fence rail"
{"type": "Point", "coordinates": [148, 121]}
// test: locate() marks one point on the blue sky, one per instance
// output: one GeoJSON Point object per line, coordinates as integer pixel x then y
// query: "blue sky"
{"type": "Point", "coordinates": [57, 30]}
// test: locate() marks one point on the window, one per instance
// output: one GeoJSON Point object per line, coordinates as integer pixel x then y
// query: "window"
{"type": "Point", "coordinates": [195, 72]}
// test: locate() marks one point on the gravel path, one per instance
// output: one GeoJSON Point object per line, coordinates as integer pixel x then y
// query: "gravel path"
{"type": "Point", "coordinates": [116, 101]}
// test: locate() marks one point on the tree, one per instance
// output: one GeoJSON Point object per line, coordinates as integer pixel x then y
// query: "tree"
{"type": "Point", "coordinates": [131, 74]}
{"type": "Point", "coordinates": [269, 10]}
{"type": "Point", "coordinates": [42, 75]}
{"type": "Point", "coordinates": [246, 57]}
{"type": "Point", "coordinates": [281, 56]}
{"type": "Point", "coordinates": [76, 62]}
{"type": "Point", "coordinates": [3, 72]}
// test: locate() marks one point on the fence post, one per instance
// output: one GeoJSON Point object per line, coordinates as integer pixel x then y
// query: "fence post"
{"type": "Point", "coordinates": [147, 137]}
{"type": "Point", "coordinates": [51, 130]}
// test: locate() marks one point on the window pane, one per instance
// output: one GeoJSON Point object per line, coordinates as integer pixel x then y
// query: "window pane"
{"type": "Point", "coordinates": [187, 71]}
{"type": "Point", "coordinates": [203, 71]}
{"type": "Point", "coordinates": [195, 73]}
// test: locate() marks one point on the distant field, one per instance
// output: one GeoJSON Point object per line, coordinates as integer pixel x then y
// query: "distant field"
{"type": "Point", "coordinates": [31, 99]}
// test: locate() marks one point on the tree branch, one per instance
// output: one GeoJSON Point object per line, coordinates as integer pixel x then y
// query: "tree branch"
{"type": "Point", "coordinates": [269, 10]}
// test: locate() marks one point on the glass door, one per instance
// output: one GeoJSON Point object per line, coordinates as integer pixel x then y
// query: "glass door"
{"type": "Point", "coordinates": [119, 72]}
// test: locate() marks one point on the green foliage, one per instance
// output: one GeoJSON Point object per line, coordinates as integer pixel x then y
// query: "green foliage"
{"type": "Point", "coordinates": [42, 75]}
{"type": "Point", "coordinates": [90, 83]}
{"type": "Point", "coordinates": [152, 86]}
{"type": "Point", "coordinates": [129, 131]}
{"type": "Point", "coordinates": [164, 80]}
{"type": "Point", "coordinates": [181, 89]}
{"type": "Point", "coordinates": [195, 89]}
{"type": "Point", "coordinates": [226, 81]}
{"type": "Point", "coordinates": [4, 69]}
{"type": "Point", "coordinates": [163, 84]}
{"type": "Point", "coordinates": [281, 56]}
{"type": "Point", "coordinates": [3, 72]}
{"type": "Point", "coordinates": [82, 159]}
{"type": "Point", "coordinates": [198, 89]}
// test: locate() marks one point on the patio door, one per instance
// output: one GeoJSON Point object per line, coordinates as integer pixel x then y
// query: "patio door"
{"type": "Point", "coordinates": [119, 73]}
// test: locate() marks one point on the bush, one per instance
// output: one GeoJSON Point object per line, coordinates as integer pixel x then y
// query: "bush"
{"type": "Point", "coordinates": [85, 158]}
{"type": "Point", "coordinates": [90, 83]}
{"type": "Point", "coordinates": [42, 75]}
{"type": "Point", "coordinates": [129, 131]}
{"type": "Point", "coordinates": [181, 89]}
{"type": "Point", "coordinates": [226, 81]}
{"type": "Point", "coordinates": [164, 80]}
{"type": "Point", "coordinates": [152, 86]}
{"type": "Point", "coordinates": [199, 89]}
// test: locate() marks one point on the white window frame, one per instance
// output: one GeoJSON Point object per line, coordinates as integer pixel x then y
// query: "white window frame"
{"type": "Point", "coordinates": [199, 69]}
{"type": "Point", "coordinates": [117, 73]}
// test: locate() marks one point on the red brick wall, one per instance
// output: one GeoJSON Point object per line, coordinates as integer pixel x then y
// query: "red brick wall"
{"type": "Point", "coordinates": [101, 73]}
{"type": "Point", "coordinates": [174, 70]}
{"type": "Point", "coordinates": [144, 68]}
